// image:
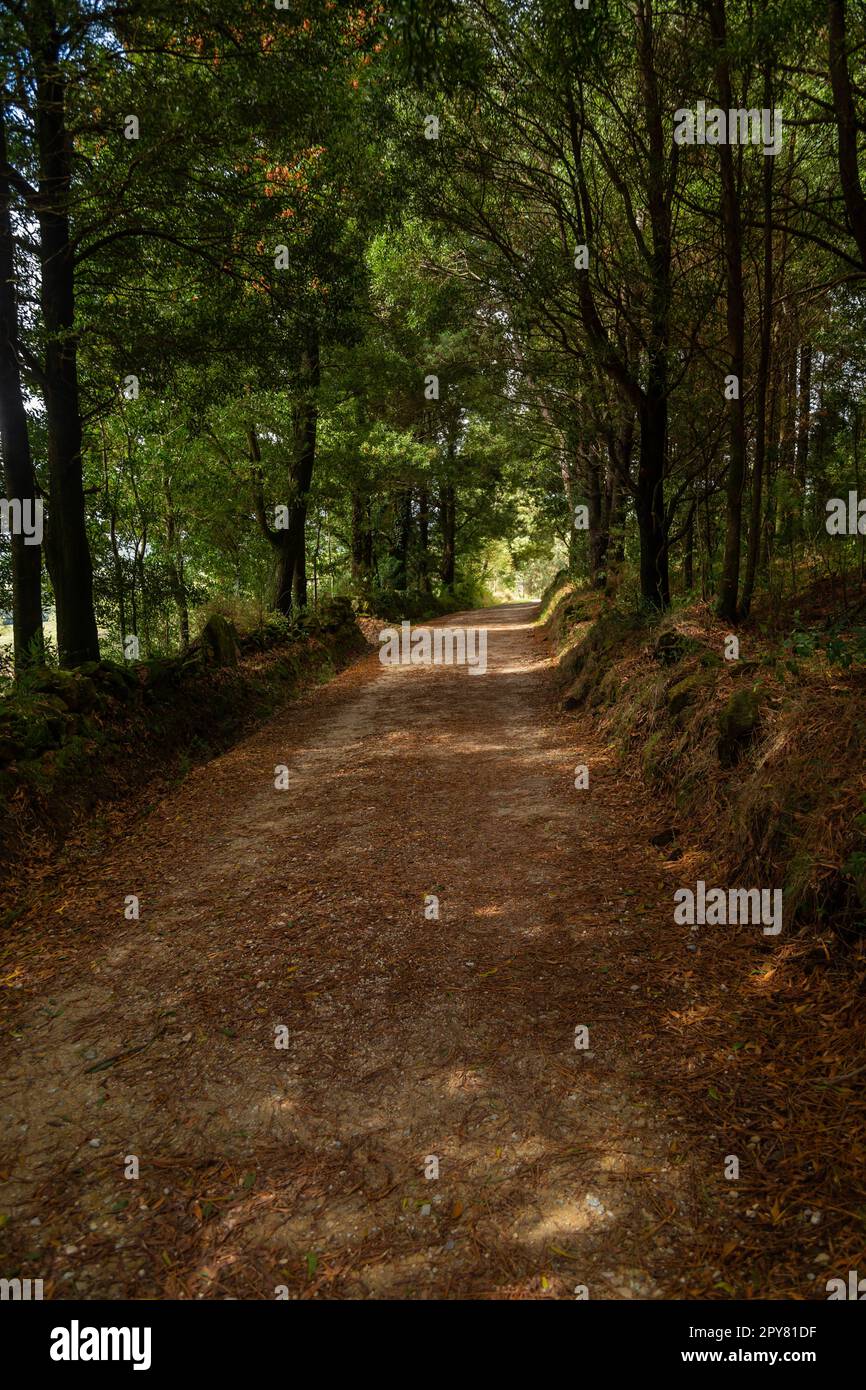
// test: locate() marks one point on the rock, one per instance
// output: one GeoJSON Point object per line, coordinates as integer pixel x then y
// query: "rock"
{"type": "Point", "coordinates": [115, 680]}
{"type": "Point", "coordinates": [572, 661]}
{"type": "Point", "coordinates": [158, 675]}
{"type": "Point", "coordinates": [219, 641]}
{"type": "Point", "coordinates": [75, 689]}
{"type": "Point", "coordinates": [577, 692]}
{"type": "Point", "coordinates": [32, 723]}
{"type": "Point", "coordinates": [335, 613]}
{"type": "Point", "coordinates": [686, 691]}
{"type": "Point", "coordinates": [671, 646]}
{"type": "Point", "coordinates": [738, 724]}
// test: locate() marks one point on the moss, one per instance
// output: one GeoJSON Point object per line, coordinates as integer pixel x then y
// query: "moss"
{"type": "Point", "coordinates": [651, 755]}
{"type": "Point", "coordinates": [610, 689]}
{"type": "Point", "coordinates": [686, 691]}
{"type": "Point", "coordinates": [738, 724]}
{"type": "Point", "coordinates": [219, 641]}
{"type": "Point", "coordinates": [578, 691]}
{"type": "Point", "coordinates": [77, 691]}
{"type": "Point", "coordinates": [572, 661]}
{"type": "Point", "coordinates": [32, 723]}
{"type": "Point", "coordinates": [336, 613]}
{"type": "Point", "coordinates": [671, 646]}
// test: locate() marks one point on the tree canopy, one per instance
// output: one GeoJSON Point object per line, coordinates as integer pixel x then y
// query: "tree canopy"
{"type": "Point", "coordinates": [423, 303]}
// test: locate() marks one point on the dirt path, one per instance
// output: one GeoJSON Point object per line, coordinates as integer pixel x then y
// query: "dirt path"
{"type": "Point", "coordinates": [409, 1039]}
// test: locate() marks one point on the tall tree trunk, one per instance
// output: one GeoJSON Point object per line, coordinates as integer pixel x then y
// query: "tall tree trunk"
{"type": "Point", "coordinates": [448, 526]}
{"type": "Point", "coordinates": [307, 428]}
{"type": "Point", "coordinates": [289, 543]}
{"type": "Point", "coordinates": [362, 538]}
{"type": "Point", "coordinates": [649, 502]}
{"type": "Point", "coordinates": [20, 479]}
{"type": "Point", "coordinates": [71, 570]}
{"type": "Point", "coordinates": [652, 467]}
{"type": "Point", "coordinates": [649, 400]}
{"type": "Point", "coordinates": [763, 384]}
{"type": "Point", "coordinates": [689, 551]}
{"type": "Point", "coordinates": [176, 566]}
{"type": "Point", "coordinates": [787, 441]}
{"type": "Point", "coordinates": [729, 583]}
{"type": "Point", "coordinates": [280, 540]}
{"type": "Point", "coordinates": [400, 542]}
{"type": "Point", "coordinates": [804, 419]}
{"type": "Point", "coordinates": [597, 539]}
{"type": "Point", "coordinates": [846, 125]}
{"type": "Point", "coordinates": [424, 540]}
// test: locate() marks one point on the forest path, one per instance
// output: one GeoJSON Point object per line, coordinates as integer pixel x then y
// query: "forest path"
{"type": "Point", "coordinates": [408, 1039]}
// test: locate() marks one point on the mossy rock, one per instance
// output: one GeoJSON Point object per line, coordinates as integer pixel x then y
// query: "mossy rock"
{"type": "Point", "coordinates": [577, 692]}
{"type": "Point", "coordinates": [159, 677]}
{"type": "Point", "coordinates": [115, 680]}
{"type": "Point", "coordinates": [275, 628]}
{"type": "Point", "coordinates": [610, 689]}
{"type": "Point", "coordinates": [738, 724]}
{"type": "Point", "coordinates": [651, 755]}
{"type": "Point", "coordinates": [572, 612]}
{"type": "Point", "coordinates": [671, 646]}
{"type": "Point", "coordinates": [76, 690]}
{"type": "Point", "coordinates": [219, 641]}
{"type": "Point", "coordinates": [745, 667]}
{"type": "Point", "coordinates": [613, 629]}
{"type": "Point", "coordinates": [288, 667]}
{"type": "Point", "coordinates": [686, 692]}
{"type": "Point", "coordinates": [572, 662]}
{"type": "Point", "coordinates": [31, 724]}
{"type": "Point", "coordinates": [336, 613]}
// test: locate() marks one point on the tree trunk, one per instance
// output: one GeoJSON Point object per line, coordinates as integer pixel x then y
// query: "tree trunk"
{"type": "Point", "coordinates": [755, 515]}
{"type": "Point", "coordinates": [729, 583]}
{"type": "Point", "coordinates": [289, 543]}
{"type": "Point", "coordinates": [653, 413]}
{"type": "Point", "coordinates": [597, 538]}
{"type": "Point", "coordinates": [400, 546]}
{"type": "Point", "coordinates": [424, 540]}
{"type": "Point", "coordinates": [71, 571]}
{"type": "Point", "coordinates": [307, 427]}
{"type": "Point", "coordinates": [846, 125]}
{"type": "Point", "coordinates": [178, 579]}
{"type": "Point", "coordinates": [20, 479]}
{"type": "Point", "coordinates": [649, 503]}
{"type": "Point", "coordinates": [362, 539]}
{"type": "Point", "coordinates": [804, 414]}
{"type": "Point", "coordinates": [689, 553]}
{"type": "Point", "coordinates": [447, 522]}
